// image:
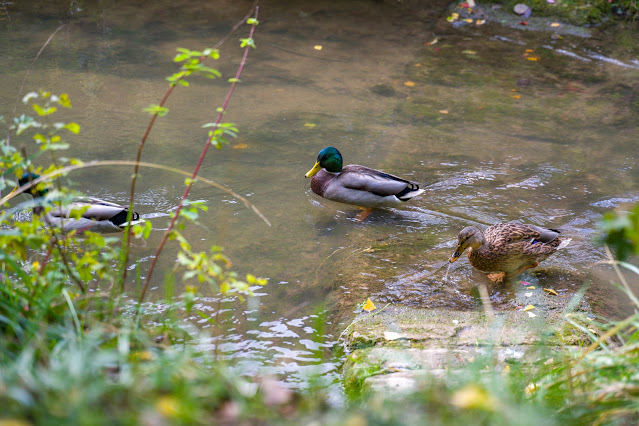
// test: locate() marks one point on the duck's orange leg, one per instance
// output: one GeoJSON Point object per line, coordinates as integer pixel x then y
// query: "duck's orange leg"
{"type": "Point", "coordinates": [497, 278]}
{"type": "Point", "coordinates": [364, 214]}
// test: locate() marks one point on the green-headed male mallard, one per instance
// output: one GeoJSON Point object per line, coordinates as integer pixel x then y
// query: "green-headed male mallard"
{"type": "Point", "coordinates": [97, 215]}
{"type": "Point", "coordinates": [358, 185]}
{"type": "Point", "coordinates": [505, 250]}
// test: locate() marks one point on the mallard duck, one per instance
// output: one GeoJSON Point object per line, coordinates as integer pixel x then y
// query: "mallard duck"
{"type": "Point", "coordinates": [505, 250]}
{"type": "Point", "coordinates": [358, 185]}
{"type": "Point", "coordinates": [100, 216]}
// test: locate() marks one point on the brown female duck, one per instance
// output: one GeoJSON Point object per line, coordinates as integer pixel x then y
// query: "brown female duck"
{"type": "Point", "coordinates": [505, 250]}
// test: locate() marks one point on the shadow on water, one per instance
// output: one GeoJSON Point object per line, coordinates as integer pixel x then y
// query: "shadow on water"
{"type": "Point", "coordinates": [493, 135]}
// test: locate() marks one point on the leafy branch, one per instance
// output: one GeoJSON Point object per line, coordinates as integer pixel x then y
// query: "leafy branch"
{"type": "Point", "coordinates": [211, 140]}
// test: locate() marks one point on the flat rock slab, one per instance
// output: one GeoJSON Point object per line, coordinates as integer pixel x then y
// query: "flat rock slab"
{"type": "Point", "coordinates": [402, 326]}
{"type": "Point", "coordinates": [399, 347]}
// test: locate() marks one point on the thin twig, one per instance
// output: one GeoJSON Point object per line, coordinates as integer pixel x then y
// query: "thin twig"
{"type": "Point", "coordinates": [485, 301]}
{"type": "Point", "coordinates": [187, 190]}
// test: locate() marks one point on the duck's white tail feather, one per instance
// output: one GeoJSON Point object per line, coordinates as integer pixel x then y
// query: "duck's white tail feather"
{"type": "Point", "coordinates": [411, 194]}
{"type": "Point", "coordinates": [564, 243]}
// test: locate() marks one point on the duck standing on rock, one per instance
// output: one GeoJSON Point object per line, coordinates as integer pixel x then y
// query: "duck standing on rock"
{"type": "Point", "coordinates": [97, 215]}
{"type": "Point", "coordinates": [506, 250]}
{"type": "Point", "coordinates": [358, 185]}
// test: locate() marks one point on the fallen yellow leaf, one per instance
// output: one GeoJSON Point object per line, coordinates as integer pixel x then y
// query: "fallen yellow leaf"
{"type": "Point", "coordinates": [516, 96]}
{"type": "Point", "coordinates": [443, 111]}
{"type": "Point", "coordinates": [480, 22]}
{"type": "Point", "coordinates": [311, 125]}
{"type": "Point", "coordinates": [529, 51]}
{"type": "Point", "coordinates": [529, 308]}
{"type": "Point", "coordinates": [409, 83]}
{"type": "Point", "coordinates": [317, 47]}
{"type": "Point", "coordinates": [474, 397]}
{"type": "Point", "coordinates": [555, 24]}
{"type": "Point", "coordinates": [551, 291]}
{"type": "Point", "coordinates": [369, 306]}
{"type": "Point", "coordinates": [470, 21]}
{"type": "Point", "coordinates": [240, 146]}
{"type": "Point", "coordinates": [532, 287]}
{"type": "Point", "coordinates": [533, 58]}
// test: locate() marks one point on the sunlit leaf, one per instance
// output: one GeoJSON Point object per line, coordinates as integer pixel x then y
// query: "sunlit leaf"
{"type": "Point", "coordinates": [369, 306]}
{"type": "Point", "coordinates": [409, 83]}
{"type": "Point", "coordinates": [309, 125]}
{"type": "Point", "coordinates": [240, 146]}
{"type": "Point", "coordinates": [551, 291]}
{"type": "Point", "coordinates": [317, 47]}
{"type": "Point", "coordinates": [474, 397]}
{"type": "Point", "coordinates": [529, 308]}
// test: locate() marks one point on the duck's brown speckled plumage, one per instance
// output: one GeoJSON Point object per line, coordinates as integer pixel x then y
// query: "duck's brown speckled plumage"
{"type": "Point", "coordinates": [508, 248]}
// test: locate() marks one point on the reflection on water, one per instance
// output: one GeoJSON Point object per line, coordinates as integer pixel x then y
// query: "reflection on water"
{"type": "Point", "coordinates": [493, 136]}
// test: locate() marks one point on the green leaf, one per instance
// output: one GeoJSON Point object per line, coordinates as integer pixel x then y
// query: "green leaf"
{"type": "Point", "coordinates": [73, 128]}
{"type": "Point", "coordinates": [247, 42]}
{"type": "Point", "coordinates": [157, 109]}
{"type": "Point", "coordinates": [252, 21]}
{"type": "Point", "coordinates": [29, 96]}
{"type": "Point", "coordinates": [42, 111]}
{"type": "Point", "coordinates": [64, 100]}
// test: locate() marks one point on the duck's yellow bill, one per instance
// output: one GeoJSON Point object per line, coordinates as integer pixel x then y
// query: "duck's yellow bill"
{"type": "Point", "coordinates": [316, 168]}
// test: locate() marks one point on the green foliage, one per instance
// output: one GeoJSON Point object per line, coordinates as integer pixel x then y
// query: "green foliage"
{"type": "Point", "coordinates": [621, 232]}
{"type": "Point", "coordinates": [69, 351]}
{"type": "Point", "coordinates": [219, 131]}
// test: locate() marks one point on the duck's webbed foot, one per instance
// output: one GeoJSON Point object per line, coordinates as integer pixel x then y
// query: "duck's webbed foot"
{"type": "Point", "coordinates": [497, 278]}
{"type": "Point", "coordinates": [364, 214]}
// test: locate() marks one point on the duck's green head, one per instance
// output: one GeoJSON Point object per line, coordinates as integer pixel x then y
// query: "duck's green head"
{"type": "Point", "coordinates": [28, 178]}
{"type": "Point", "coordinates": [330, 159]}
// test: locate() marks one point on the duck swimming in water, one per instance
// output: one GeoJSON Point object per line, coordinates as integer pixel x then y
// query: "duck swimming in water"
{"type": "Point", "coordinates": [358, 185]}
{"type": "Point", "coordinates": [506, 250]}
{"type": "Point", "coordinates": [97, 215]}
